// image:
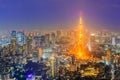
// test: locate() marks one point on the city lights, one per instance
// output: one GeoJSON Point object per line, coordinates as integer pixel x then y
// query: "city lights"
{"type": "Point", "coordinates": [52, 40]}
{"type": "Point", "coordinates": [30, 76]}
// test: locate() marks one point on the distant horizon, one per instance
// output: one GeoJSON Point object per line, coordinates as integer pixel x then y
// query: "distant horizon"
{"type": "Point", "coordinates": [53, 30]}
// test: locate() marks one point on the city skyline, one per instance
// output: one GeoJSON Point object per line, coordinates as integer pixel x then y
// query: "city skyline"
{"type": "Point", "coordinates": [30, 14]}
{"type": "Point", "coordinates": [59, 39]}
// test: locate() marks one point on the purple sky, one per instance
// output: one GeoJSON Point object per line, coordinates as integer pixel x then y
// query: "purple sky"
{"type": "Point", "coordinates": [39, 14]}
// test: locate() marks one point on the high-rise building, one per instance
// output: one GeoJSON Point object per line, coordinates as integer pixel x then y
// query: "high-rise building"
{"type": "Point", "coordinates": [30, 45]}
{"type": "Point", "coordinates": [39, 53]}
{"type": "Point", "coordinates": [42, 41]}
{"type": "Point", "coordinates": [108, 56]}
{"type": "Point", "coordinates": [58, 34]}
{"type": "Point", "coordinates": [47, 38]}
{"type": "Point", "coordinates": [20, 38]}
{"type": "Point", "coordinates": [52, 39]}
{"type": "Point", "coordinates": [36, 41]}
{"type": "Point", "coordinates": [5, 41]}
{"type": "Point", "coordinates": [13, 46]}
{"type": "Point", "coordinates": [113, 41]}
{"type": "Point", "coordinates": [13, 34]}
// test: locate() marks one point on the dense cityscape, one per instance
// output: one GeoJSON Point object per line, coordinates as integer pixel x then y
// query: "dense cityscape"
{"type": "Point", "coordinates": [60, 55]}
{"type": "Point", "coordinates": [59, 40]}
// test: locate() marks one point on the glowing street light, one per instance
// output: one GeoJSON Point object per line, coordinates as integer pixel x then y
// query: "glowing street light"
{"type": "Point", "coordinates": [30, 76]}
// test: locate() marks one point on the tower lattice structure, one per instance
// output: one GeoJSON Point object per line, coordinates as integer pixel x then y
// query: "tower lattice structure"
{"type": "Point", "coordinates": [79, 48]}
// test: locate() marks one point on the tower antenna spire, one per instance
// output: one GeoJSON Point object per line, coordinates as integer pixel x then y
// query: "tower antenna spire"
{"type": "Point", "coordinates": [81, 24]}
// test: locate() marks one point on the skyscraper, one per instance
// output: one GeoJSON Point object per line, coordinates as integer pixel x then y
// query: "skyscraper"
{"type": "Point", "coordinates": [29, 43]}
{"type": "Point", "coordinates": [20, 38]}
{"type": "Point", "coordinates": [13, 34]}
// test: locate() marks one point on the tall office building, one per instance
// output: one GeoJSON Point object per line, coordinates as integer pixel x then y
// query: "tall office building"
{"type": "Point", "coordinates": [13, 46]}
{"type": "Point", "coordinates": [53, 38]}
{"type": "Point", "coordinates": [113, 41]}
{"type": "Point", "coordinates": [47, 38]}
{"type": "Point", "coordinates": [13, 42]}
{"type": "Point", "coordinates": [30, 45]}
{"type": "Point", "coordinates": [20, 38]}
{"type": "Point", "coordinates": [36, 41]}
{"type": "Point", "coordinates": [5, 41]}
{"type": "Point", "coordinates": [58, 34]}
{"type": "Point", "coordinates": [42, 40]}
{"type": "Point", "coordinates": [13, 34]}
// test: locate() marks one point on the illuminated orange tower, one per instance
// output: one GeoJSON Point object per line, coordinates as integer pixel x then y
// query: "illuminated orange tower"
{"type": "Point", "coordinates": [79, 47]}
{"type": "Point", "coordinates": [81, 30]}
{"type": "Point", "coordinates": [80, 41]}
{"type": "Point", "coordinates": [81, 25]}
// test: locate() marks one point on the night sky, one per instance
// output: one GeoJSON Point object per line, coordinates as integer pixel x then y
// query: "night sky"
{"type": "Point", "coordinates": [49, 14]}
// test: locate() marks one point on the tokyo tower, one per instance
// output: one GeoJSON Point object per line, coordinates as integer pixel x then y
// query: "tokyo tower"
{"type": "Point", "coordinates": [79, 48]}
